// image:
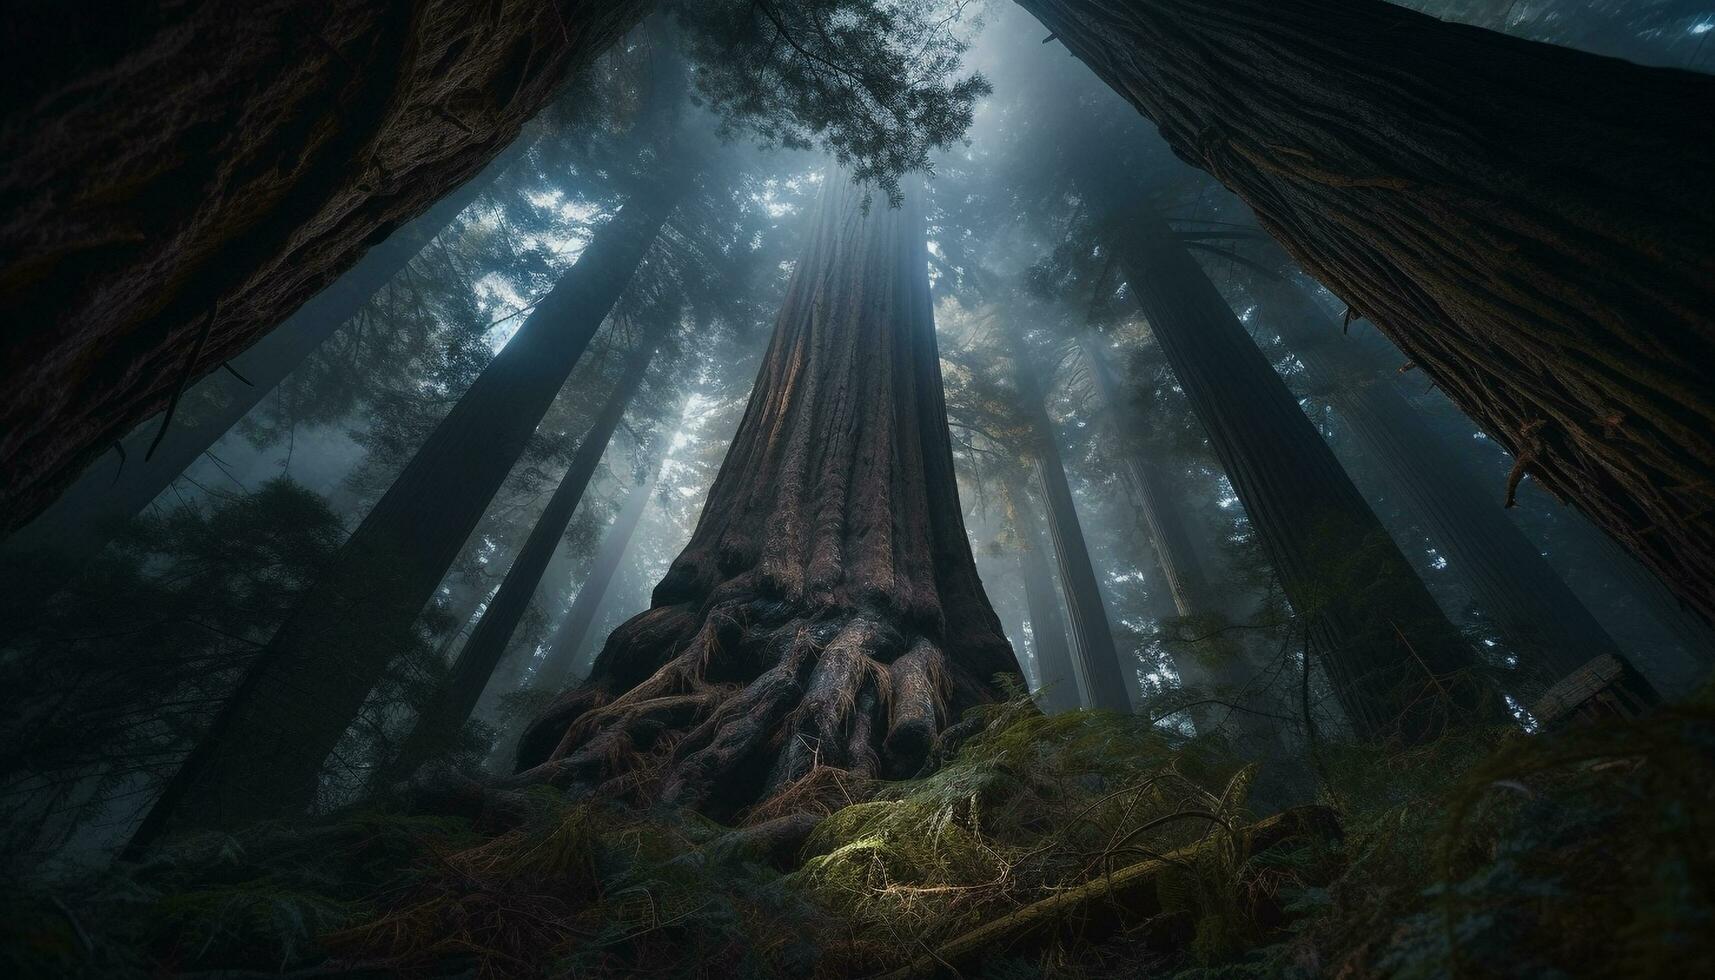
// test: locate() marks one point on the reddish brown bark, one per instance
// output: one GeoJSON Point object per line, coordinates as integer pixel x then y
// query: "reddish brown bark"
{"type": "Point", "coordinates": [180, 177]}
{"type": "Point", "coordinates": [1533, 226]}
{"type": "Point", "coordinates": [827, 609]}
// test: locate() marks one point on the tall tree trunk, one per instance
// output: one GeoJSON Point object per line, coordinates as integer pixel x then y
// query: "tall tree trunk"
{"type": "Point", "coordinates": [1545, 624]}
{"type": "Point", "coordinates": [562, 661]}
{"type": "Point", "coordinates": [182, 178]}
{"type": "Point", "coordinates": [1095, 659]}
{"type": "Point", "coordinates": [1057, 688]}
{"type": "Point", "coordinates": [1396, 664]}
{"type": "Point", "coordinates": [827, 610]}
{"type": "Point", "coordinates": [44, 554]}
{"type": "Point", "coordinates": [262, 755]}
{"type": "Point", "coordinates": [442, 719]}
{"type": "Point", "coordinates": [1532, 225]}
{"type": "Point", "coordinates": [1181, 567]}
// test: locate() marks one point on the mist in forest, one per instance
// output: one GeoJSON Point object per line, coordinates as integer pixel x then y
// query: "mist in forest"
{"type": "Point", "coordinates": [842, 466]}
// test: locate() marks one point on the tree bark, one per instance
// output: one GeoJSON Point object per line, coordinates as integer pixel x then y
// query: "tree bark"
{"type": "Point", "coordinates": [827, 610]}
{"type": "Point", "coordinates": [44, 554]}
{"type": "Point", "coordinates": [264, 751]}
{"type": "Point", "coordinates": [442, 719]}
{"type": "Point", "coordinates": [1534, 226]}
{"type": "Point", "coordinates": [1398, 667]}
{"type": "Point", "coordinates": [1057, 688]}
{"type": "Point", "coordinates": [1545, 624]}
{"type": "Point", "coordinates": [1095, 659]}
{"type": "Point", "coordinates": [181, 177]}
{"type": "Point", "coordinates": [562, 663]}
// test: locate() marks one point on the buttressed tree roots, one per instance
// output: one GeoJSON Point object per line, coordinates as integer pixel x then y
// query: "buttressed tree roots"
{"type": "Point", "coordinates": [827, 610]}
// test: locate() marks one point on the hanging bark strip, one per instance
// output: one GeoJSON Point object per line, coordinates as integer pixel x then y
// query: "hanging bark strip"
{"type": "Point", "coordinates": [165, 160]}
{"type": "Point", "coordinates": [827, 609]}
{"type": "Point", "coordinates": [1532, 225]}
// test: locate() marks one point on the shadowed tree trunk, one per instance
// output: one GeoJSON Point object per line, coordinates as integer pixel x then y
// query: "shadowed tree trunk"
{"type": "Point", "coordinates": [181, 177]}
{"type": "Point", "coordinates": [1181, 567]}
{"type": "Point", "coordinates": [44, 554]}
{"type": "Point", "coordinates": [1095, 659]}
{"type": "Point", "coordinates": [561, 664]}
{"type": "Point", "coordinates": [1552, 632]}
{"type": "Point", "coordinates": [827, 610]}
{"type": "Point", "coordinates": [1059, 690]}
{"type": "Point", "coordinates": [442, 719]}
{"type": "Point", "coordinates": [262, 754]}
{"type": "Point", "coordinates": [1534, 226]}
{"type": "Point", "coordinates": [1398, 667]}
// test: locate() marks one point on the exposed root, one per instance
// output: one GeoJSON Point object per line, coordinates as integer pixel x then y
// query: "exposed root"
{"type": "Point", "coordinates": [749, 708]}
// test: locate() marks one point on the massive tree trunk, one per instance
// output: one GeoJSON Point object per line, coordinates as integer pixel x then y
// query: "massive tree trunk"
{"type": "Point", "coordinates": [1397, 665]}
{"type": "Point", "coordinates": [265, 749]}
{"type": "Point", "coordinates": [1057, 687]}
{"type": "Point", "coordinates": [180, 177]}
{"type": "Point", "coordinates": [1095, 659]}
{"type": "Point", "coordinates": [442, 718]}
{"type": "Point", "coordinates": [1533, 226]}
{"type": "Point", "coordinates": [827, 610]}
{"type": "Point", "coordinates": [562, 664]}
{"type": "Point", "coordinates": [1545, 624]}
{"type": "Point", "coordinates": [44, 554]}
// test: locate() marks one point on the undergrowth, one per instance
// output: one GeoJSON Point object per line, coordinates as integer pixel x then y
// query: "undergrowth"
{"type": "Point", "coordinates": [1583, 853]}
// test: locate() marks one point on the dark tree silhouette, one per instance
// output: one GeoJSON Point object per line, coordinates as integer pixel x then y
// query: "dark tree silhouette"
{"type": "Point", "coordinates": [264, 751]}
{"type": "Point", "coordinates": [827, 610]}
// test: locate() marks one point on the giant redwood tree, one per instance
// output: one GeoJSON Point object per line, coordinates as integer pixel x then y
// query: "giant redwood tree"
{"type": "Point", "coordinates": [1534, 226]}
{"type": "Point", "coordinates": [827, 609]}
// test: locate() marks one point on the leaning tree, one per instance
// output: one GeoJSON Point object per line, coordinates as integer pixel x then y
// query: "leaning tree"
{"type": "Point", "coordinates": [827, 609]}
{"type": "Point", "coordinates": [1534, 226]}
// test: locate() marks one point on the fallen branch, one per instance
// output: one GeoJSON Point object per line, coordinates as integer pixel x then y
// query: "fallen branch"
{"type": "Point", "coordinates": [1125, 900]}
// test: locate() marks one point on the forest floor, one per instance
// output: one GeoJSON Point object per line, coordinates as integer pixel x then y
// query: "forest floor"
{"type": "Point", "coordinates": [1082, 845]}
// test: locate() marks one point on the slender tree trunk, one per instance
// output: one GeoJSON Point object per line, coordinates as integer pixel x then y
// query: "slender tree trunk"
{"type": "Point", "coordinates": [1397, 665]}
{"type": "Point", "coordinates": [43, 555]}
{"type": "Point", "coordinates": [1095, 659]}
{"type": "Point", "coordinates": [827, 610]}
{"type": "Point", "coordinates": [442, 718]}
{"type": "Point", "coordinates": [562, 664]}
{"type": "Point", "coordinates": [264, 751]}
{"type": "Point", "coordinates": [1532, 225]}
{"type": "Point", "coordinates": [1551, 631]}
{"type": "Point", "coordinates": [1181, 566]}
{"type": "Point", "coordinates": [180, 181]}
{"type": "Point", "coordinates": [1057, 688]}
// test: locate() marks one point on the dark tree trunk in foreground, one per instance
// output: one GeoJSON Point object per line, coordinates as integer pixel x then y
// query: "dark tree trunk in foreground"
{"type": "Point", "coordinates": [1095, 659]}
{"type": "Point", "coordinates": [44, 554]}
{"type": "Point", "coordinates": [1398, 667]}
{"type": "Point", "coordinates": [182, 177]}
{"type": "Point", "coordinates": [1532, 225]}
{"type": "Point", "coordinates": [1545, 624]}
{"type": "Point", "coordinates": [1058, 687]}
{"type": "Point", "coordinates": [561, 665]}
{"type": "Point", "coordinates": [265, 749]}
{"type": "Point", "coordinates": [441, 720]}
{"type": "Point", "coordinates": [827, 610]}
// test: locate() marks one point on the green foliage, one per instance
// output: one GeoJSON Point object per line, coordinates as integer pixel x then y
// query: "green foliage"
{"type": "Point", "coordinates": [873, 81]}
